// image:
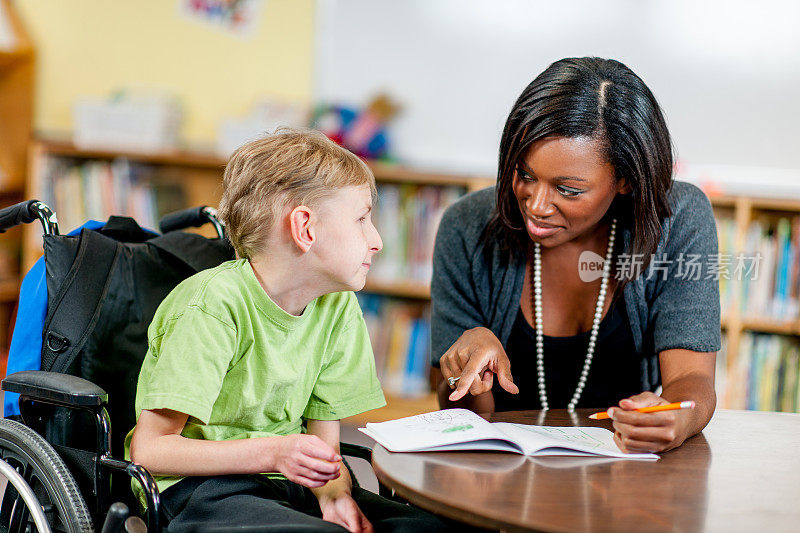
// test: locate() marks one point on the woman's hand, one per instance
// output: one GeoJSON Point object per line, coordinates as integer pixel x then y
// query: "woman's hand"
{"type": "Point", "coordinates": [476, 357]}
{"type": "Point", "coordinates": [636, 432]}
{"type": "Point", "coordinates": [344, 511]}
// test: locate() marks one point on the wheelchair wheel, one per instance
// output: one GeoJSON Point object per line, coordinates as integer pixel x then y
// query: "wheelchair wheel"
{"type": "Point", "coordinates": [52, 484]}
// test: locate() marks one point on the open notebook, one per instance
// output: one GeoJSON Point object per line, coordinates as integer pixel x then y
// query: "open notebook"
{"type": "Point", "coordinates": [460, 429]}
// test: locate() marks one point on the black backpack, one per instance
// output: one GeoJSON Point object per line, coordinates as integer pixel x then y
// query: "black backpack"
{"type": "Point", "coordinates": [104, 287]}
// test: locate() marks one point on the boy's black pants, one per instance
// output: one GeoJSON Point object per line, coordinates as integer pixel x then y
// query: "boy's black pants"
{"type": "Point", "coordinates": [255, 503]}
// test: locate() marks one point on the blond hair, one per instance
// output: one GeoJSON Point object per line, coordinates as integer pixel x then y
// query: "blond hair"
{"type": "Point", "coordinates": [289, 167]}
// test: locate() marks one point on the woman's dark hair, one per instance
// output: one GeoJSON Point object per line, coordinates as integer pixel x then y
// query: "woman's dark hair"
{"type": "Point", "coordinates": [604, 100]}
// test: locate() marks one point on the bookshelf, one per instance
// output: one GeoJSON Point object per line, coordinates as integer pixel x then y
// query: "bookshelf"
{"type": "Point", "coordinates": [761, 353]}
{"type": "Point", "coordinates": [199, 176]}
{"type": "Point", "coordinates": [406, 295]}
{"type": "Point", "coordinates": [758, 365]}
{"type": "Point", "coordinates": [17, 63]}
{"type": "Point", "coordinates": [192, 178]}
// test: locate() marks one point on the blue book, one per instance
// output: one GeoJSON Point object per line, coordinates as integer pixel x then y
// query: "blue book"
{"type": "Point", "coordinates": [416, 375]}
{"type": "Point", "coordinates": [754, 375]}
{"type": "Point", "coordinates": [781, 295]}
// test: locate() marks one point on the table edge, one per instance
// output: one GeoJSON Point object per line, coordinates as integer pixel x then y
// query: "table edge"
{"type": "Point", "coordinates": [441, 508]}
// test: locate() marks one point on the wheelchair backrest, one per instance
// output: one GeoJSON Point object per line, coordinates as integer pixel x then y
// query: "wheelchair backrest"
{"type": "Point", "coordinates": [104, 287]}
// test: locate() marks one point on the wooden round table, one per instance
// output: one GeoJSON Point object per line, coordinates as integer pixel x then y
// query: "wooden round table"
{"type": "Point", "coordinates": [742, 473]}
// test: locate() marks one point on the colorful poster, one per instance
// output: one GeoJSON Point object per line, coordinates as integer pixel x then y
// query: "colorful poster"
{"type": "Point", "coordinates": [238, 17]}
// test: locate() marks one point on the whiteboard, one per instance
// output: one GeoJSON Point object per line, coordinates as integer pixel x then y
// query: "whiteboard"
{"type": "Point", "coordinates": [727, 73]}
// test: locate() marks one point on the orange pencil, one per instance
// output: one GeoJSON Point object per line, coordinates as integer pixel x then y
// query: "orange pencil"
{"type": "Point", "coordinates": [668, 407]}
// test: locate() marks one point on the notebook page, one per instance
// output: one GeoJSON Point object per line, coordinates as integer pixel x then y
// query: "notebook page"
{"type": "Point", "coordinates": [433, 430]}
{"type": "Point", "coordinates": [550, 440]}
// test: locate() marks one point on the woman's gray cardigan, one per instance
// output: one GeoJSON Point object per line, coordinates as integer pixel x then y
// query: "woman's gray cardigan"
{"type": "Point", "coordinates": [476, 284]}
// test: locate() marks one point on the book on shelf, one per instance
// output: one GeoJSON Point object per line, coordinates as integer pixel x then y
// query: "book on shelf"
{"type": "Point", "coordinates": [726, 234]}
{"type": "Point", "coordinates": [461, 429]}
{"type": "Point", "coordinates": [721, 372]}
{"type": "Point", "coordinates": [789, 377]}
{"type": "Point", "coordinates": [764, 377]}
{"type": "Point", "coordinates": [400, 335]}
{"type": "Point", "coordinates": [407, 217]}
{"type": "Point", "coordinates": [783, 252]}
{"type": "Point", "coordinates": [417, 380]}
{"type": "Point", "coordinates": [80, 190]}
{"type": "Point", "coordinates": [765, 275]}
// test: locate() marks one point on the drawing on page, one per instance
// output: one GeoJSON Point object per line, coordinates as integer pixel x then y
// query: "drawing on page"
{"type": "Point", "coordinates": [571, 434]}
{"type": "Point", "coordinates": [439, 422]}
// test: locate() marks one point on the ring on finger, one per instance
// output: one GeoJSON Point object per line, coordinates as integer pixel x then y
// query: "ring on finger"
{"type": "Point", "coordinates": [452, 381]}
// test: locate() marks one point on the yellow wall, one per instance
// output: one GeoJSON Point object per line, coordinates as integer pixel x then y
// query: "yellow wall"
{"type": "Point", "coordinates": [94, 47]}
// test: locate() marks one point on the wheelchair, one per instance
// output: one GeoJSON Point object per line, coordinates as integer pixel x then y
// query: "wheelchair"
{"type": "Point", "coordinates": [60, 456]}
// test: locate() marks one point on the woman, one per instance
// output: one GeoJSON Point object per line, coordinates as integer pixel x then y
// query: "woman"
{"type": "Point", "coordinates": [584, 180]}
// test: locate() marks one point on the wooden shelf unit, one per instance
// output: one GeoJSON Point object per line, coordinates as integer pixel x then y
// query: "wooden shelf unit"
{"type": "Point", "coordinates": [16, 102]}
{"type": "Point", "coordinates": [744, 204]}
{"type": "Point", "coordinates": [764, 325]}
{"type": "Point", "coordinates": [17, 70]}
{"type": "Point", "coordinates": [744, 211]}
{"type": "Point", "coordinates": [736, 323]}
{"type": "Point", "coordinates": [394, 173]}
{"type": "Point", "coordinates": [202, 172]}
{"type": "Point", "coordinates": [402, 289]}
{"type": "Point", "coordinates": [187, 158]}
{"type": "Point", "coordinates": [199, 173]}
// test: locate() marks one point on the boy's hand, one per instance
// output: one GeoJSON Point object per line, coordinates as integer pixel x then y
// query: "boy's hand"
{"type": "Point", "coordinates": [343, 510]}
{"type": "Point", "coordinates": [307, 460]}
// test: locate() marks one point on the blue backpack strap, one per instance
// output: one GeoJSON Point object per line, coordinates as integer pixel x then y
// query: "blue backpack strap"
{"type": "Point", "coordinates": [26, 341]}
{"type": "Point", "coordinates": [76, 306]}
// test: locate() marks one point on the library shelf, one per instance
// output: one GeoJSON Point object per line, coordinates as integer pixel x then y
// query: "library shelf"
{"type": "Point", "coordinates": [384, 172]}
{"type": "Point", "coordinates": [403, 289]}
{"type": "Point", "coordinates": [756, 203]}
{"type": "Point", "coordinates": [200, 173]}
{"type": "Point", "coordinates": [777, 327]}
{"type": "Point", "coordinates": [764, 325]}
{"type": "Point", "coordinates": [189, 164]}
{"type": "Point", "coordinates": [760, 351]}
{"type": "Point", "coordinates": [17, 74]}
{"type": "Point", "coordinates": [183, 158]}
{"type": "Point", "coordinates": [396, 173]}
{"type": "Point", "coordinates": [743, 211]}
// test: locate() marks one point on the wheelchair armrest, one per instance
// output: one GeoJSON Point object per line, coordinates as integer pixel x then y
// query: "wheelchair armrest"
{"type": "Point", "coordinates": [356, 450]}
{"type": "Point", "coordinates": [363, 452]}
{"type": "Point", "coordinates": [53, 387]}
{"type": "Point", "coordinates": [148, 484]}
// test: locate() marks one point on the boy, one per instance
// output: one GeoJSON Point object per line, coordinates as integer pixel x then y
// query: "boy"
{"type": "Point", "coordinates": [241, 355]}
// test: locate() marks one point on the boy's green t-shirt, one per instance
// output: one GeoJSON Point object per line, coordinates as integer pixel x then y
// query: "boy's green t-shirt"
{"type": "Point", "coordinates": [221, 351]}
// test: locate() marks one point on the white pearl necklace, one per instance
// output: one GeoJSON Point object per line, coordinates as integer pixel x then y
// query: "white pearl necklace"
{"type": "Point", "coordinates": [598, 313]}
